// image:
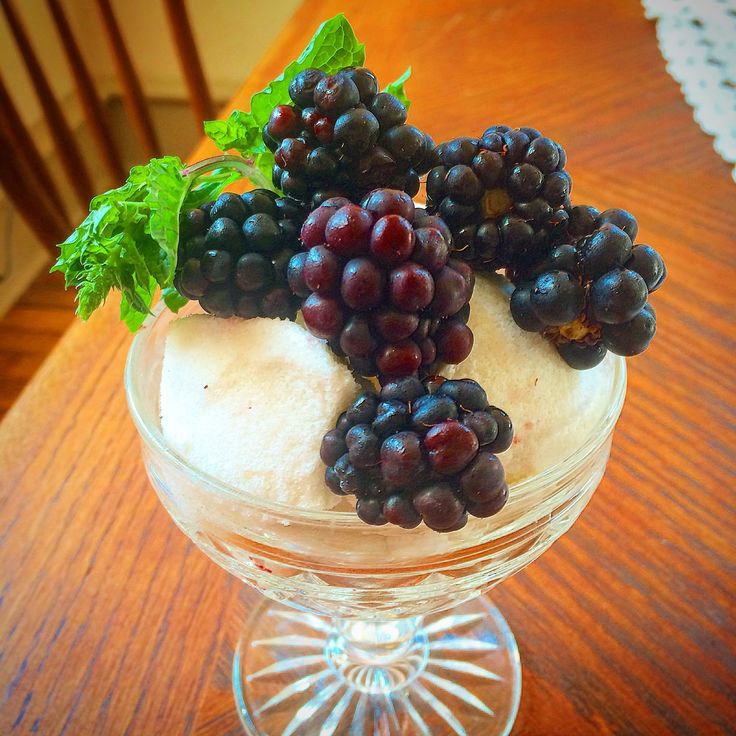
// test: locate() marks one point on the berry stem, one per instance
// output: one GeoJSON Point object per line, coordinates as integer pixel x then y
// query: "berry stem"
{"type": "Point", "coordinates": [227, 161]}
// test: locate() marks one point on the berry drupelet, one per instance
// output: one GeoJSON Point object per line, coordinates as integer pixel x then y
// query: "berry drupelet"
{"type": "Point", "coordinates": [381, 290]}
{"type": "Point", "coordinates": [420, 451]}
{"type": "Point", "coordinates": [590, 295]}
{"type": "Point", "coordinates": [234, 252]}
{"type": "Point", "coordinates": [504, 195]}
{"type": "Point", "coordinates": [341, 136]}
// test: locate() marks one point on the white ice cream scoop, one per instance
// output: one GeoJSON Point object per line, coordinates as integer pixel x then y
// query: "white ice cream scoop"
{"type": "Point", "coordinates": [248, 401]}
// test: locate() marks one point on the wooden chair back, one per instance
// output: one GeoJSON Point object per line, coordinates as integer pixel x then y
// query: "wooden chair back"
{"type": "Point", "coordinates": [23, 174]}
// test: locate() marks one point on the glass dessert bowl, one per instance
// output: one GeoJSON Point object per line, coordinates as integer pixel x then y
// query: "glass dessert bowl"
{"type": "Point", "coordinates": [385, 630]}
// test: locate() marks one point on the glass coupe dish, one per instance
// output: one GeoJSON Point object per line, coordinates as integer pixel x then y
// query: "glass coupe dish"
{"type": "Point", "coordinates": [384, 631]}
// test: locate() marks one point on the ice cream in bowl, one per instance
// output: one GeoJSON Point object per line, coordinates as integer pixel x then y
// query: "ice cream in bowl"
{"type": "Point", "coordinates": [371, 411]}
{"type": "Point", "coordinates": [275, 526]}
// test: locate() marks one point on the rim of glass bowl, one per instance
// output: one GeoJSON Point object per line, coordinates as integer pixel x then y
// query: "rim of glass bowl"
{"type": "Point", "coordinates": [151, 433]}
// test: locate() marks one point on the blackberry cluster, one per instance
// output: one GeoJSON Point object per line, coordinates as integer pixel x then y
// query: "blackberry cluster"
{"type": "Point", "coordinates": [381, 290]}
{"type": "Point", "coordinates": [234, 252]}
{"type": "Point", "coordinates": [591, 295]}
{"type": "Point", "coordinates": [420, 451]}
{"type": "Point", "coordinates": [342, 137]}
{"type": "Point", "coordinates": [505, 195]}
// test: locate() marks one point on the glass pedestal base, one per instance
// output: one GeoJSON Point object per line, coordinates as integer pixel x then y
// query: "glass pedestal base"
{"type": "Point", "coordinates": [455, 672]}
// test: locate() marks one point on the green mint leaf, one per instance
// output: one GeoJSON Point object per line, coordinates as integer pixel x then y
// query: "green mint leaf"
{"type": "Point", "coordinates": [173, 299]}
{"type": "Point", "coordinates": [333, 47]}
{"type": "Point", "coordinates": [240, 132]}
{"type": "Point", "coordinates": [397, 88]}
{"type": "Point", "coordinates": [164, 196]}
{"type": "Point", "coordinates": [129, 240]}
{"type": "Point", "coordinates": [92, 294]}
{"type": "Point", "coordinates": [130, 308]}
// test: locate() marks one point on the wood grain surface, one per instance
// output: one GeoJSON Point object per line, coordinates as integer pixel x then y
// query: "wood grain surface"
{"type": "Point", "coordinates": [30, 330]}
{"type": "Point", "coordinates": [111, 622]}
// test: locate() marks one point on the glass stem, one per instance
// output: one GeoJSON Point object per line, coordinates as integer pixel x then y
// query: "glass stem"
{"type": "Point", "coordinates": [377, 656]}
{"type": "Point", "coordinates": [378, 641]}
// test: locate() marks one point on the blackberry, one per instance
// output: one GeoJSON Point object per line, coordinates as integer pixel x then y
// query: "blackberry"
{"type": "Point", "coordinates": [649, 265]}
{"type": "Point", "coordinates": [581, 355]}
{"type": "Point", "coordinates": [632, 337]}
{"type": "Point", "coordinates": [590, 295]}
{"type": "Point", "coordinates": [618, 296]}
{"type": "Point", "coordinates": [556, 298]}
{"type": "Point", "coordinates": [234, 254]}
{"type": "Point", "coordinates": [343, 136]}
{"type": "Point", "coordinates": [382, 291]}
{"type": "Point", "coordinates": [420, 451]}
{"type": "Point", "coordinates": [504, 195]}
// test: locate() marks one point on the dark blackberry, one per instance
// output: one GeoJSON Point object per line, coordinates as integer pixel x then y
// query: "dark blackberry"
{"type": "Point", "coordinates": [483, 479]}
{"type": "Point", "coordinates": [607, 248]}
{"type": "Point", "coordinates": [301, 88]}
{"type": "Point", "coordinates": [431, 409]}
{"type": "Point", "coordinates": [405, 389]}
{"type": "Point", "coordinates": [454, 341]}
{"type": "Point", "coordinates": [522, 309]}
{"type": "Point", "coordinates": [484, 425]}
{"type": "Point", "coordinates": [216, 266]}
{"type": "Point", "coordinates": [580, 355]}
{"type": "Point", "coordinates": [590, 295]}
{"type": "Point", "coordinates": [465, 393]}
{"type": "Point", "coordinates": [226, 205]}
{"type": "Point", "coordinates": [391, 416]}
{"type": "Point", "coordinates": [556, 298]}
{"type": "Point", "coordinates": [502, 194]}
{"type": "Point", "coordinates": [370, 510]}
{"type": "Point", "coordinates": [218, 300]}
{"type": "Point", "coordinates": [343, 136]}
{"type": "Point", "coordinates": [224, 234]}
{"type": "Point", "coordinates": [362, 410]}
{"type": "Point", "coordinates": [618, 296]}
{"type": "Point", "coordinates": [439, 506]}
{"type": "Point", "coordinates": [632, 337]}
{"type": "Point", "coordinates": [620, 218]}
{"type": "Point", "coordinates": [381, 289]}
{"type": "Point", "coordinates": [333, 447]}
{"type": "Point", "coordinates": [649, 265]}
{"type": "Point", "coordinates": [398, 509]}
{"type": "Point", "coordinates": [365, 80]}
{"type": "Point", "coordinates": [193, 223]}
{"type": "Point", "coordinates": [505, 434]}
{"type": "Point", "coordinates": [190, 273]}
{"type": "Point", "coordinates": [363, 446]}
{"type": "Point", "coordinates": [582, 220]}
{"type": "Point", "coordinates": [420, 451]}
{"type": "Point", "coordinates": [234, 255]}
{"type": "Point", "coordinates": [484, 510]}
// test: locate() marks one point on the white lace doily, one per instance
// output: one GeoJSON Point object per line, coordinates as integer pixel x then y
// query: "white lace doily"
{"type": "Point", "coordinates": [698, 41]}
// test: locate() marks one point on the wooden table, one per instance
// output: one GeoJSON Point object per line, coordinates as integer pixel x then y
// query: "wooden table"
{"type": "Point", "coordinates": [111, 622]}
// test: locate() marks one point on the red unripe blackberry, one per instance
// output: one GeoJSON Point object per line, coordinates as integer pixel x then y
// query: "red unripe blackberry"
{"type": "Point", "coordinates": [371, 298]}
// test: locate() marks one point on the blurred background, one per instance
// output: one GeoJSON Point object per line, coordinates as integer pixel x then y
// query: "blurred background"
{"type": "Point", "coordinates": [146, 72]}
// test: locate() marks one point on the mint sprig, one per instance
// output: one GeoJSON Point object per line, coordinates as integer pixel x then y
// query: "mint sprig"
{"type": "Point", "coordinates": [333, 47]}
{"type": "Point", "coordinates": [129, 239]}
{"type": "Point", "coordinates": [396, 88]}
